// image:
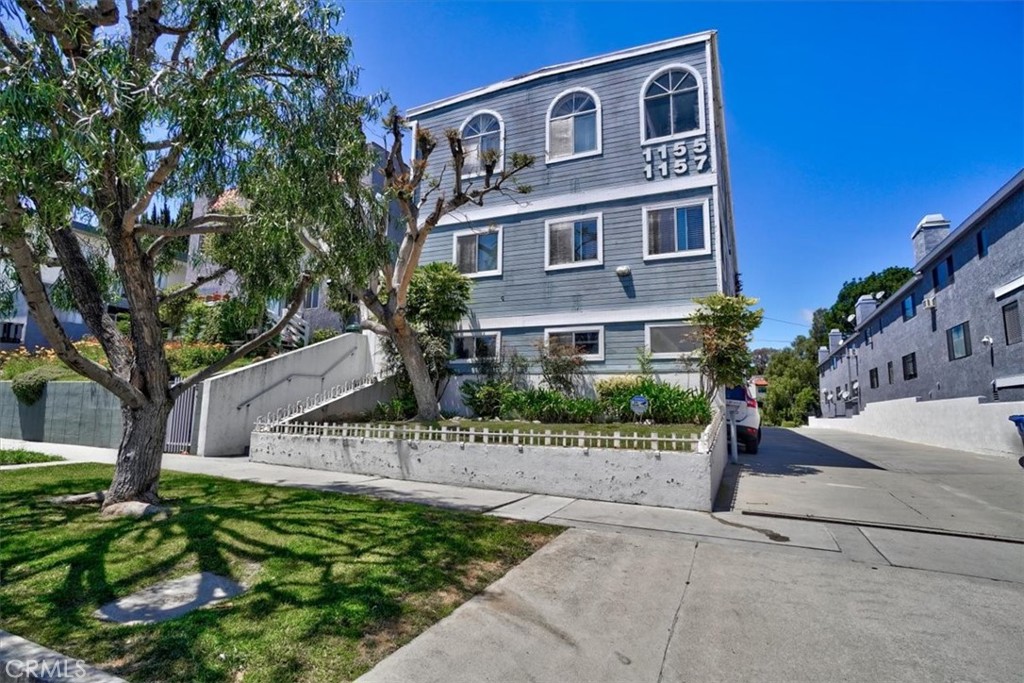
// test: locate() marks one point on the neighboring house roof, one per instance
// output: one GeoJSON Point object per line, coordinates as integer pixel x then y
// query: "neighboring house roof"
{"type": "Point", "coordinates": [760, 382]}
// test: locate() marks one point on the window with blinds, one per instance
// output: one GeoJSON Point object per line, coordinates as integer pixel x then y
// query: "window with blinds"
{"type": "Point", "coordinates": [574, 243]}
{"type": "Point", "coordinates": [478, 253]}
{"type": "Point", "coordinates": [677, 230]}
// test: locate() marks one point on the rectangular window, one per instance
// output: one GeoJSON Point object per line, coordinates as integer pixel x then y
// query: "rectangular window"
{"type": "Point", "coordinates": [909, 309]}
{"type": "Point", "coordinates": [873, 378]}
{"type": "Point", "coordinates": [982, 238]}
{"type": "Point", "coordinates": [676, 231]}
{"type": "Point", "coordinates": [588, 341]}
{"type": "Point", "coordinates": [910, 366]}
{"type": "Point", "coordinates": [477, 346]}
{"type": "Point", "coordinates": [942, 274]}
{"type": "Point", "coordinates": [1011, 323]}
{"type": "Point", "coordinates": [958, 339]}
{"type": "Point", "coordinates": [11, 333]}
{"type": "Point", "coordinates": [574, 243]}
{"type": "Point", "coordinates": [888, 368]}
{"type": "Point", "coordinates": [671, 341]}
{"type": "Point", "coordinates": [313, 297]}
{"type": "Point", "coordinates": [935, 321]}
{"type": "Point", "coordinates": [478, 252]}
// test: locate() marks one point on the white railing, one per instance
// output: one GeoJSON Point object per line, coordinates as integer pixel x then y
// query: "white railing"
{"type": "Point", "coordinates": [275, 418]}
{"type": "Point", "coordinates": [487, 435]}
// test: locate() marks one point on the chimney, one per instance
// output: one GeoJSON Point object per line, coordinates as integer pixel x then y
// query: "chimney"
{"type": "Point", "coordinates": [822, 354]}
{"type": "Point", "coordinates": [835, 340]}
{"type": "Point", "coordinates": [931, 230]}
{"type": "Point", "coordinates": [864, 307]}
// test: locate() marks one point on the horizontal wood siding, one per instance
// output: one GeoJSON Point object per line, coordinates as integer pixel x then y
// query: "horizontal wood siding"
{"type": "Point", "coordinates": [525, 288]}
{"type": "Point", "coordinates": [524, 112]}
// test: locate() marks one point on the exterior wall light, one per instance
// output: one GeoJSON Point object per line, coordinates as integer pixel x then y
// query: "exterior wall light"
{"type": "Point", "coordinates": [623, 271]}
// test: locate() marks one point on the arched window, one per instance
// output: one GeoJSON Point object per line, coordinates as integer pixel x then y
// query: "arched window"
{"type": "Point", "coordinates": [574, 125]}
{"type": "Point", "coordinates": [672, 104]}
{"type": "Point", "coordinates": [480, 133]}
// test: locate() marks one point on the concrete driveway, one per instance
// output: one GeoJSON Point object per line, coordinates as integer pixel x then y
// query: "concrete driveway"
{"type": "Point", "coordinates": [827, 474]}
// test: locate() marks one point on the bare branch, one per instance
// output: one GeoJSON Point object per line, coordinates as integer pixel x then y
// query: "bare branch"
{"type": "Point", "coordinates": [11, 44]}
{"type": "Point", "coordinates": [196, 284]}
{"type": "Point", "coordinates": [296, 302]}
{"type": "Point", "coordinates": [208, 224]}
{"type": "Point", "coordinates": [374, 326]}
{"type": "Point", "coordinates": [156, 180]}
{"type": "Point", "coordinates": [157, 145]}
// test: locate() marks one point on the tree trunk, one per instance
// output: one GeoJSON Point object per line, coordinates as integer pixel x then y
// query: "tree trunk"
{"type": "Point", "coordinates": [137, 472]}
{"type": "Point", "coordinates": [422, 386]}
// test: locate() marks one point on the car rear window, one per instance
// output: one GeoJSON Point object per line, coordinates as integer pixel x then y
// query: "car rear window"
{"type": "Point", "coordinates": [736, 394]}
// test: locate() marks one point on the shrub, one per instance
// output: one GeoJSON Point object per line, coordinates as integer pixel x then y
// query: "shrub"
{"type": "Point", "coordinates": [547, 405]}
{"type": "Point", "coordinates": [561, 367]}
{"type": "Point", "coordinates": [669, 404]}
{"type": "Point", "coordinates": [28, 386]}
{"type": "Point", "coordinates": [323, 334]}
{"type": "Point", "coordinates": [485, 398]}
{"type": "Point", "coordinates": [185, 359]}
{"type": "Point", "coordinates": [402, 407]}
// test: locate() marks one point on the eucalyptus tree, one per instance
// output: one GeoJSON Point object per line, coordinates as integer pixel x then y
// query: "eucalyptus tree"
{"type": "Point", "coordinates": [370, 241]}
{"type": "Point", "coordinates": [109, 107]}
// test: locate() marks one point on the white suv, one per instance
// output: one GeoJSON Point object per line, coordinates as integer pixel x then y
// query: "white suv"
{"type": "Point", "coordinates": [748, 417]}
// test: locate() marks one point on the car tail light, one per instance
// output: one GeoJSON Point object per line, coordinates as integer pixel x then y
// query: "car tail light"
{"type": "Point", "coordinates": [751, 403]}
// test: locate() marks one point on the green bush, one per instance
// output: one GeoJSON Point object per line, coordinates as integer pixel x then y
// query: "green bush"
{"type": "Point", "coordinates": [186, 359]}
{"type": "Point", "coordinates": [548, 405]}
{"type": "Point", "coordinates": [28, 387]}
{"type": "Point", "coordinates": [669, 404]}
{"type": "Point", "coordinates": [323, 334]}
{"type": "Point", "coordinates": [485, 398]}
{"type": "Point", "coordinates": [402, 407]}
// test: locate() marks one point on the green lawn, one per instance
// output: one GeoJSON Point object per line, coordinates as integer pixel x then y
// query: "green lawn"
{"type": "Point", "coordinates": [337, 582]}
{"type": "Point", "coordinates": [19, 456]}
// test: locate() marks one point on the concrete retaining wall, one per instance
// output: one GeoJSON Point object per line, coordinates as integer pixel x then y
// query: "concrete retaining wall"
{"type": "Point", "coordinates": [68, 412]}
{"type": "Point", "coordinates": [964, 424]}
{"type": "Point", "coordinates": [230, 403]}
{"type": "Point", "coordinates": [668, 479]}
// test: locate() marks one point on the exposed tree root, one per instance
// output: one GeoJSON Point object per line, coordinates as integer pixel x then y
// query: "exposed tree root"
{"type": "Point", "coordinates": [91, 498]}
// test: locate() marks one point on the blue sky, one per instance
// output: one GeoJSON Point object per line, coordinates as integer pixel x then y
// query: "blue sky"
{"type": "Point", "coordinates": [847, 122]}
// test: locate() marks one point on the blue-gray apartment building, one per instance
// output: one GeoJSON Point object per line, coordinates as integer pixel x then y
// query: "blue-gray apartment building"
{"type": "Point", "coordinates": [953, 330]}
{"type": "Point", "coordinates": [629, 218]}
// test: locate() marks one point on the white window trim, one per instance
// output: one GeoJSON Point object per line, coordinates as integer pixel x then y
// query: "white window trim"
{"type": "Point", "coordinates": [548, 159]}
{"type": "Point", "coordinates": [479, 231]}
{"type": "Point", "coordinates": [576, 264]}
{"type": "Point", "coordinates": [666, 355]}
{"type": "Point", "coordinates": [701, 116]}
{"type": "Point", "coordinates": [599, 356]}
{"type": "Point", "coordinates": [476, 333]}
{"type": "Point", "coordinates": [500, 166]}
{"type": "Point", "coordinates": [679, 204]}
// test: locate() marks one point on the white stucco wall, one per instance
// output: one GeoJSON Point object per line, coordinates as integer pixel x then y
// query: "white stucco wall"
{"type": "Point", "coordinates": [963, 424]}
{"type": "Point", "coordinates": [667, 479]}
{"type": "Point", "coordinates": [230, 403]}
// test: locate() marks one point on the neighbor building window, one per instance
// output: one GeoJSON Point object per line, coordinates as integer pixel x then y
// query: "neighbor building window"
{"type": "Point", "coordinates": [481, 133]}
{"type": "Point", "coordinates": [478, 252]}
{"type": "Point", "coordinates": [873, 378]}
{"type": "Point", "coordinates": [942, 274]}
{"type": "Point", "coordinates": [313, 297]}
{"type": "Point", "coordinates": [573, 243]}
{"type": "Point", "coordinates": [676, 231]}
{"type": "Point", "coordinates": [982, 239]}
{"type": "Point", "coordinates": [672, 104]}
{"type": "Point", "coordinates": [671, 341]}
{"type": "Point", "coordinates": [888, 368]}
{"type": "Point", "coordinates": [476, 346]}
{"type": "Point", "coordinates": [11, 333]}
{"type": "Point", "coordinates": [958, 339]}
{"type": "Point", "coordinates": [910, 366]}
{"type": "Point", "coordinates": [909, 309]}
{"type": "Point", "coordinates": [574, 125]}
{"type": "Point", "coordinates": [1011, 323]}
{"type": "Point", "coordinates": [587, 341]}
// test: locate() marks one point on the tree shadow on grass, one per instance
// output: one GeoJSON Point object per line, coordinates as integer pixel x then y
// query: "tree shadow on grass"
{"type": "Point", "coordinates": [323, 571]}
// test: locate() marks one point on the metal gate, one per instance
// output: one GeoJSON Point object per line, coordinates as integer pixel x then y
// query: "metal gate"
{"type": "Point", "coordinates": [179, 424]}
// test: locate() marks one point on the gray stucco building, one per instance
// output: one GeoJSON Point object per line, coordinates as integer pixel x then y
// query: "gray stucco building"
{"type": "Point", "coordinates": [953, 330]}
{"type": "Point", "coordinates": [630, 214]}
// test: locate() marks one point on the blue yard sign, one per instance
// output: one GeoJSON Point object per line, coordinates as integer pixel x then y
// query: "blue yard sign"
{"type": "Point", "coordinates": [639, 404]}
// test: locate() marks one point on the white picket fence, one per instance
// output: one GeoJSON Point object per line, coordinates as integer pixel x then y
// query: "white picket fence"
{"type": "Point", "coordinates": [274, 419]}
{"type": "Point", "coordinates": [488, 435]}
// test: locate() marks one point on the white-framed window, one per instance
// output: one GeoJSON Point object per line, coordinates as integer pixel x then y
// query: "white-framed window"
{"type": "Point", "coordinates": [481, 132]}
{"type": "Point", "coordinates": [588, 341]}
{"type": "Point", "coordinates": [671, 340]}
{"type": "Point", "coordinates": [574, 125]}
{"type": "Point", "coordinates": [676, 229]}
{"type": "Point", "coordinates": [672, 104]}
{"type": "Point", "coordinates": [470, 347]}
{"type": "Point", "coordinates": [312, 296]}
{"type": "Point", "coordinates": [573, 242]}
{"type": "Point", "coordinates": [477, 253]}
